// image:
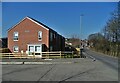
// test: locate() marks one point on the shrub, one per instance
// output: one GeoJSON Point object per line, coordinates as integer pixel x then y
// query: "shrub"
{"type": "Point", "coordinates": [5, 50]}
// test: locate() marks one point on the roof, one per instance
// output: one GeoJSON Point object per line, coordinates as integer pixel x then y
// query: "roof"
{"type": "Point", "coordinates": [33, 20]}
{"type": "Point", "coordinates": [36, 22]}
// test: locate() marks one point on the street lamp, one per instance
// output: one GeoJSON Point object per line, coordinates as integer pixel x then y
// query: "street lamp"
{"type": "Point", "coordinates": [81, 48]}
{"type": "Point", "coordinates": [81, 25]}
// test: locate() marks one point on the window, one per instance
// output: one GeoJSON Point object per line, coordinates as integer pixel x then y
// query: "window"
{"type": "Point", "coordinates": [54, 35]}
{"type": "Point", "coordinates": [15, 49]}
{"type": "Point", "coordinates": [40, 35]}
{"type": "Point", "coordinates": [51, 37]}
{"type": "Point", "coordinates": [51, 48]}
{"type": "Point", "coordinates": [15, 36]}
{"type": "Point", "coordinates": [31, 48]}
{"type": "Point", "coordinates": [37, 49]}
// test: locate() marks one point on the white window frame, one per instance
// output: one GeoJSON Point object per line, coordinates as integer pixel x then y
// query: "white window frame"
{"type": "Point", "coordinates": [16, 36]}
{"type": "Point", "coordinates": [14, 50]}
{"type": "Point", "coordinates": [36, 49]}
{"type": "Point", "coordinates": [39, 33]}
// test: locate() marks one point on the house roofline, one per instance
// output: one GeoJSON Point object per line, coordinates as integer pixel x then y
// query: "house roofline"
{"type": "Point", "coordinates": [40, 24]}
{"type": "Point", "coordinates": [36, 22]}
{"type": "Point", "coordinates": [15, 25]}
{"type": "Point", "coordinates": [30, 20]}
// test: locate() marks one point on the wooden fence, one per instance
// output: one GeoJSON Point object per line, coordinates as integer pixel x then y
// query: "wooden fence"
{"type": "Point", "coordinates": [35, 55]}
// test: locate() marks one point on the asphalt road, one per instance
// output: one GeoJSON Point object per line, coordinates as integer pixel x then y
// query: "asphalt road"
{"type": "Point", "coordinates": [80, 70]}
{"type": "Point", "coordinates": [107, 60]}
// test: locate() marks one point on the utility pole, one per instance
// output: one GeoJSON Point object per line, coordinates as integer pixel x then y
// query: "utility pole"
{"type": "Point", "coordinates": [81, 49]}
{"type": "Point", "coordinates": [81, 26]}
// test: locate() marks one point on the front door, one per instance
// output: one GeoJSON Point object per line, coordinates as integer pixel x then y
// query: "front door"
{"type": "Point", "coordinates": [35, 49]}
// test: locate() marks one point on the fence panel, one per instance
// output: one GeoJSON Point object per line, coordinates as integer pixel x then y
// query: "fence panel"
{"type": "Point", "coordinates": [55, 54]}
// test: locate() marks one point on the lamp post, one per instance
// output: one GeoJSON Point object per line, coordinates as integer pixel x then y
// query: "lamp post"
{"type": "Point", "coordinates": [81, 25]}
{"type": "Point", "coordinates": [81, 49]}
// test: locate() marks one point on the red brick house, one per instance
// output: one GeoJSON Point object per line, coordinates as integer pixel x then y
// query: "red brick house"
{"type": "Point", "coordinates": [33, 36]}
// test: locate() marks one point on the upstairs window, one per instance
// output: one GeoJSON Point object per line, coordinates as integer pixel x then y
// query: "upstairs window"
{"type": "Point", "coordinates": [40, 35]}
{"type": "Point", "coordinates": [54, 35]}
{"type": "Point", "coordinates": [15, 36]}
{"type": "Point", "coordinates": [51, 36]}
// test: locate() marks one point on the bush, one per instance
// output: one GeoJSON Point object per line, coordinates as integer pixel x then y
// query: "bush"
{"type": "Point", "coordinates": [68, 56]}
{"type": "Point", "coordinates": [5, 50]}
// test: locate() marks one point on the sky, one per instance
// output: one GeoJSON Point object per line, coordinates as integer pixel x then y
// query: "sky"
{"type": "Point", "coordinates": [0, 19]}
{"type": "Point", "coordinates": [63, 17]}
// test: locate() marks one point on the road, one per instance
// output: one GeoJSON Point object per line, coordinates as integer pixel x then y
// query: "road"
{"type": "Point", "coordinates": [80, 69]}
{"type": "Point", "coordinates": [108, 60]}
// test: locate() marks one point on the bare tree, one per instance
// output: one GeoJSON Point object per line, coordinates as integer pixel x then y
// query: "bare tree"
{"type": "Point", "coordinates": [109, 41]}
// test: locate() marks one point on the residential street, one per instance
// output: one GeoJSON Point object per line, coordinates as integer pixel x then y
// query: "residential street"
{"type": "Point", "coordinates": [59, 41]}
{"type": "Point", "coordinates": [78, 70]}
{"type": "Point", "coordinates": [108, 60]}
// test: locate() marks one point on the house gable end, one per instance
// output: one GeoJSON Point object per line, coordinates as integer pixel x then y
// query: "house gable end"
{"type": "Point", "coordinates": [30, 20]}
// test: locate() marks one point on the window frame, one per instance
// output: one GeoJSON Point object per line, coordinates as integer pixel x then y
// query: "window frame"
{"type": "Point", "coordinates": [15, 36]}
{"type": "Point", "coordinates": [51, 36]}
{"type": "Point", "coordinates": [14, 50]}
{"type": "Point", "coordinates": [39, 33]}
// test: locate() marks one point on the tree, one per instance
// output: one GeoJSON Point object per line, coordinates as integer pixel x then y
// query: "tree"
{"type": "Point", "coordinates": [111, 35]}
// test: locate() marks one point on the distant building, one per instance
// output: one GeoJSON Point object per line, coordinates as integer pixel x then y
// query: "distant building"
{"type": "Point", "coordinates": [69, 47]}
{"type": "Point", "coordinates": [33, 36]}
{"type": "Point", "coordinates": [68, 43]}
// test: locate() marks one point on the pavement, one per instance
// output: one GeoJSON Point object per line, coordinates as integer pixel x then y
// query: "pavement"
{"type": "Point", "coordinates": [39, 61]}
